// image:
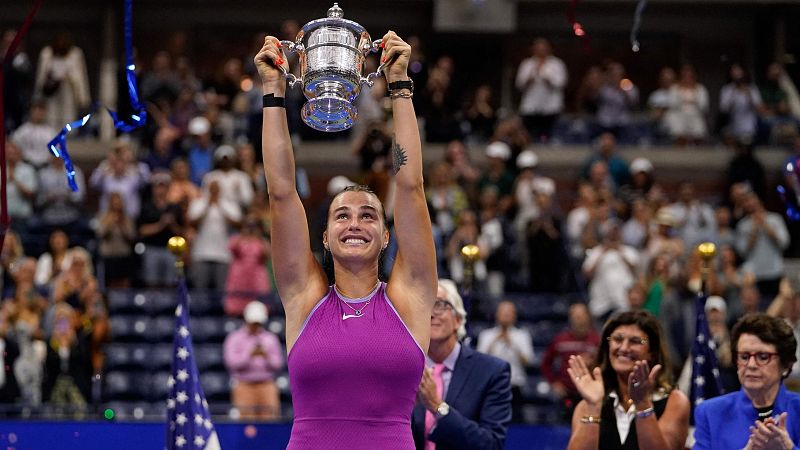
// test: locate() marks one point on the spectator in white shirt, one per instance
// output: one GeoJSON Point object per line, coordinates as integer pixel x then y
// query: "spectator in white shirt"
{"type": "Point", "coordinates": [234, 185]}
{"type": "Point", "coordinates": [541, 79]}
{"type": "Point", "coordinates": [611, 269]}
{"type": "Point", "coordinates": [33, 136]}
{"type": "Point", "coordinates": [215, 217]}
{"type": "Point", "coordinates": [511, 344]}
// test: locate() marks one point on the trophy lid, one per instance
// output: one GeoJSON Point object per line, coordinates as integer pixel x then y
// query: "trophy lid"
{"type": "Point", "coordinates": [335, 17]}
{"type": "Point", "coordinates": [335, 11]}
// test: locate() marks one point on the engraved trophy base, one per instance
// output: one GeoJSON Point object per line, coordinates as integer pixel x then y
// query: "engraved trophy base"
{"type": "Point", "coordinates": [328, 112]}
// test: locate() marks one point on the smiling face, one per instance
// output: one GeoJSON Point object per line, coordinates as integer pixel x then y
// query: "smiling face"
{"type": "Point", "coordinates": [355, 226]}
{"type": "Point", "coordinates": [757, 378]}
{"type": "Point", "coordinates": [444, 319]}
{"type": "Point", "coordinates": [627, 344]}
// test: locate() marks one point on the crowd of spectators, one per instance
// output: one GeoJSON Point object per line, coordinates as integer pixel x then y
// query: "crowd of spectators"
{"type": "Point", "coordinates": [627, 242]}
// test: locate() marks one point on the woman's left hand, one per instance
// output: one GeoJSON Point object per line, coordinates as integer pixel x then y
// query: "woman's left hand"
{"type": "Point", "coordinates": [396, 54]}
{"type": "Point", "coordinates": [641, 383]}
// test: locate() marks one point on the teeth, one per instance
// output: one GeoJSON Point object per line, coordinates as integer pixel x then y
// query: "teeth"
{"type": "Point", "coordinates": [355, 241]}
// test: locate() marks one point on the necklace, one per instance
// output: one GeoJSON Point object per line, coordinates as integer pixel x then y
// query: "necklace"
{"type": "Point", "coordinates": [358, 312]}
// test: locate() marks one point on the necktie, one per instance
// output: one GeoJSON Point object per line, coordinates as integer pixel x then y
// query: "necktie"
{"type": "Point", "coordinates": [430, 419]}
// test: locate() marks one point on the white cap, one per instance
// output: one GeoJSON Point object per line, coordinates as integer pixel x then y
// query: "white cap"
{"type": "Point", "coordinates": [527, 159]}
{"type": "Point", "coordinates": [255, 312]}
{"type": "Point", "coordinates": [641, 165]}
{"type": "Point", "coordinates": [716, 302]}
{"type": "Point", "coordinates": [499, 150]}
{"type": "Point", "coordinates": [338, 183]}
{"type": "Point", "coordinates": [199, 125]}
{"type": "Point", "coordinates": [224, 151]}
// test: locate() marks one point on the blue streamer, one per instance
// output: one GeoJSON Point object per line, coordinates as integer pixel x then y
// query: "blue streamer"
{"type": "Point", "coordinates": [637, 23]}
{"type": "Point", "coordinates": [792, 207]}
{"type": "Point", "coordinates": [58, 146]}
{"type": "Point", "coordinates": [140, 116]}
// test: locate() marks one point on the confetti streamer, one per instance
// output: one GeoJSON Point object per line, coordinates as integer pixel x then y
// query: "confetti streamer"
{"type": "Point", "coordinates": [5, 221]}
{"type": "Point", "coordinates": [58, 145]}
{"type": "Point", "coordinates": [637, 23]}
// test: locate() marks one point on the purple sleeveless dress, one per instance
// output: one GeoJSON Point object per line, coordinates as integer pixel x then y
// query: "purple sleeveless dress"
{"type": "Point", "coordinates": [354, 379]}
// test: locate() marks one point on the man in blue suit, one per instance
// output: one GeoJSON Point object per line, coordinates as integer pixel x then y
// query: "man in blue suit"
{"type": "Point", "coordinates": [465, 396]}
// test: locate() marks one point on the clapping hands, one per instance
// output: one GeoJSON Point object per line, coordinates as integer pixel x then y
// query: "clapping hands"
{"type": "Point", "coordinates": [770, 434]}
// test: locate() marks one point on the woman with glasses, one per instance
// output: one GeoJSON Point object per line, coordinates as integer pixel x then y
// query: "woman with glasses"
{"type": "Point", "coordinates": [356, 344]}
{"type": "Point", "coordinates": [629, 400]}
{"type": "Point", "coordinates": [763, 414]}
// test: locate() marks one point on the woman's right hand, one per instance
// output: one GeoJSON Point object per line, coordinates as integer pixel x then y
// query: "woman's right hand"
{"type": "Point", "coordinates": [268, 62]}
{"type": "Point", "coordinates": [589, 383]}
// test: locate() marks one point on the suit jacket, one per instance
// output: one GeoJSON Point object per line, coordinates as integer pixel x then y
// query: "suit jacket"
{"type": "Point", "coordinates": [479, 396]}
{"type": "Point", "coordinates": [723, 422]}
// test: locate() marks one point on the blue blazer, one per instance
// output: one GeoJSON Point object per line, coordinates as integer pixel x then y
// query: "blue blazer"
{"type": "Point", "coordinates": [724, 422]}
{"type": "Point", "coordinates": [479, 396]}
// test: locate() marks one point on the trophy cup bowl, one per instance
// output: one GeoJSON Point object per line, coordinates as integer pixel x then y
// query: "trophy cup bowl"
{"type": "Point", "coordinates": [332, 52]}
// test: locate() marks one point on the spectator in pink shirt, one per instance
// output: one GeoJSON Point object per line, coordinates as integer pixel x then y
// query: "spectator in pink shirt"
{"type": "Point", "coordinates": [253, 356]}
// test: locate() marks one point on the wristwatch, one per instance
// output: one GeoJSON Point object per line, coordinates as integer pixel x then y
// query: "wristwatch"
{"type": "Point", "coordinates": [442, 410]}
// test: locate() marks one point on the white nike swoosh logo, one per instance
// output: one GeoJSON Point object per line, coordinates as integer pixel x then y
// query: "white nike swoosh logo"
{"type": "Point", "coordinates": [350, 316]}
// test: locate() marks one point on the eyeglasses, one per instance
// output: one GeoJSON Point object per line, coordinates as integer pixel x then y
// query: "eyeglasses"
{"type": "Point", "coordinates": [442, 306]}
{"type": "Point", "coordinates": [632, 340]}
{"type": "Point", "coordinates": [762, 358]}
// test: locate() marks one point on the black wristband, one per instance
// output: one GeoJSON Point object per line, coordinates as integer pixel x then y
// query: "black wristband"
{"type": "Point", "coordinates": [397, 85]}
{"type": "Point", "coordinates": [270, 101]}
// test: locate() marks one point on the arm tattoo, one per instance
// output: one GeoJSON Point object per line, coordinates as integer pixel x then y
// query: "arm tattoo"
{"type": "Point", "coordinates": [399, 158]}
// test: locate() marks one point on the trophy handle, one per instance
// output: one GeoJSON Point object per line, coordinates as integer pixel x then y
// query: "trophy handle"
{"type": "Point", "coordinates": [369, 80]}
{"type": "Point", "coordinates": [291, 47]}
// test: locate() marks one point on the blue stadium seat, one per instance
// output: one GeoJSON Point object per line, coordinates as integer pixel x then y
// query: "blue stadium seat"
{"type": "Point", "coordinates": [130, 328]}
{"type": "Point", "coordinates": [209, 357]}
{"type": "Point", "coordinates": [277, 325]}
{"type": "Point", "coordinates": [117, 357]}
{"type": "Point", "coordinates": [161, 301]}
{"type": "Point", "coordinates": [230, 324]}
{"type": "Point", "coordinates": [216, 386]}
{"type": "Point", "coordinates": [159, 387]}
{"type": "Point", "coordinates": [126, 385]}
{"type": "Point", "coordinates": [162, 329]}
{"type": "Point", "coordinates": [207, 329]}
{"type": "Point", "coordinates": [121, 301]}
{"type": "Point", "coordinates": [161, 357]}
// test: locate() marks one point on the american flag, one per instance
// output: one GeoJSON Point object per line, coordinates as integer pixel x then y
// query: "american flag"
{"type": "Point", "coordinates": [188, 420]}
{"type": "Point", "coordinates": [705, 367]}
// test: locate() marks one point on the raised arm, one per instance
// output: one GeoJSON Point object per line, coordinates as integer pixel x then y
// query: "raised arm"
{"type": "Point", "coordinates": [413, 283]}
{"type": "Point", "coordinates": [299, 278]}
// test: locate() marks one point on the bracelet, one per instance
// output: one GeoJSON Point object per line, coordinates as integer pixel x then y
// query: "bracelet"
{"type": "Point", "coordinates": [400, 94]}
{"type": "Point", "coordinates": [270, 101]}
{"type": "Point", "coordinates": [645, 413]}
{"type": "Point", "coordinates": [590, 419]}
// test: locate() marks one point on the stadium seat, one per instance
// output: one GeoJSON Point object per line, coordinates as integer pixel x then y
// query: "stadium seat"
{"type": "Point", "coordinates": [161, 357]}
{"type": "Point", "coordinates": [277, 325]}
{"type": "Point", "coordinates": [207, 329]}
{"type": "Point", "coordinates": [216, 386]}
{"type": "Point", "coordinates": [159, 387]}
{"type": "Point", "coordinates": [117, 357]}
{"type": "Point", "coordinates": [126, 385]}
{"type": "Point", "coordinates": [121, 301]}
{"type": "Point", "coordinates": [161, 302]}
{"type": "Point", "coordinates": [130, 328]}
{"type": "Point", "coordinates": [209, 357]}
{"type": "Point", "coordinates": [162, 329]}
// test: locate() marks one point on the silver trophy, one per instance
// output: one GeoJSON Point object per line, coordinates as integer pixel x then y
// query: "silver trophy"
{"type": "Point", "coordinates": [332, 52]}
